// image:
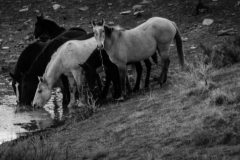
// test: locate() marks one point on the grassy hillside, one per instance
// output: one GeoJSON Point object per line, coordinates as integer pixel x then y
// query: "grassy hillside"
{"type": "Point", "coordinates": [196, 115]}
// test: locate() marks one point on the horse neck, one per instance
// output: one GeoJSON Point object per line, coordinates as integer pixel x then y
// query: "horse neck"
{"type": "Point", "coordinates": [54, 31]}
{"type": "Point", "coordinates": [40, 63]}
{"type": "Point", "coordinates": [110, 40]}
{"type": "Point", "coordinates": [53, 71]}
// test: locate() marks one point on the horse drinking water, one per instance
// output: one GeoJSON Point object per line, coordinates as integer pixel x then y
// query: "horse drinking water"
{"type": "Point", "coordinates": [139, 43]}
{"type": "Point", "coordinates": [67, 61]}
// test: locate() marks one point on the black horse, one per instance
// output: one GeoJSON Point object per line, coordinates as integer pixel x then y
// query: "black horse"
{"type": "Point", "coordinates": [48, 28]}
{"type": "Point", "coordinates": [23, 64]}
{"type": "Point", "coordinates": [30, 78]}
{"type": "Point", "coordinates": [29, 54]}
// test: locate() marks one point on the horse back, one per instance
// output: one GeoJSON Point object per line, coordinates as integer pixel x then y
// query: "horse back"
{"type": "Point", "coordinates": [76, 51]}
{"type": "Point", "coordinates": [160, 28]}
{"type": "Point", "coordinates": [73, 33]}
{"type": "Point", "coordinates": [40, 63]}
{"type": "Point", "coordinates": [27, 57]}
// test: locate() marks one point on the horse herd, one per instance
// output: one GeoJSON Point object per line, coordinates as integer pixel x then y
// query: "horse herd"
{"type": "Point", "coordinates": [72, 54]}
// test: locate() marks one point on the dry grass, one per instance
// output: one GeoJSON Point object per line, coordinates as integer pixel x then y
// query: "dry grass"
{"type": "Point", "coordinates": [35, 148]}
{"type": "Point", "coordinates": [223, 55]}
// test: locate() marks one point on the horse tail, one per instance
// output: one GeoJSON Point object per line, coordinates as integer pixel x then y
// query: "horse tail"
{"type": "Point", "coordinates": [179, 46]}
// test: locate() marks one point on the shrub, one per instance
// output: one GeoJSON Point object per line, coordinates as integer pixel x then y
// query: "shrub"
{"type": "Point", "coordinates": [225, 54]}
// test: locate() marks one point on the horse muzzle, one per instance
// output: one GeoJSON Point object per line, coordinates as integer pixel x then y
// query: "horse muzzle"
{"type": "Point", "coordinates": [35, 106]}
{"type": "Point", "coordinates": [100, 47]}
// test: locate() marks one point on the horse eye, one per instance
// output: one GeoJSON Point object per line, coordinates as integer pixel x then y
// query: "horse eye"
{"type": "Point", "coordinates": [39, 91]}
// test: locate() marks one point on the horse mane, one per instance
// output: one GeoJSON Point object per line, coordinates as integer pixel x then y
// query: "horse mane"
{"type": "Point", "coordinates": [77, 29]}
{"type": "Point", "coordinates": [110, 29]}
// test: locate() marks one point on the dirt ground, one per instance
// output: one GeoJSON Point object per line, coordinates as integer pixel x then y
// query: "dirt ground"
{"type": "Point", "coordinates": [156, 124]}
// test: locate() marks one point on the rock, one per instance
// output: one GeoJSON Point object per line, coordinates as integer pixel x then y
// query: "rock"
{"type": "Point", "coordinates": [214, 0]}
{"type": "Point", "coordinates": [138, 13]}
{"type": "Point", "coordinates": [1, 40]}
{"type": "Point", "coordinates": [207, 21]}
{"type": "Point", "coordinates": [193, 47]}
{"type": "Point", "coordinates": [37, 11]}
{"type": "Point", "coordinates": [125, 12]}
{"type": "Point", "coordinates": [184, 39]}
{"type": "Point", "coordinates": [145, 2]}
{"type": "Point", "coordinates": [23, 9]}
{"type": "Point", "coordinates": [110, 23]}
{"type": "Point", "coordinates": [21, 42]}
{"type": "Point", "coordinates": [56, 6]}
{"type": "Point", "coordinates": [238, 3]}
{"type": "Point", "coordinates": [226, 32]}
{"type": "Point", "coordinates": [83, 8]}
{"type": "Point", "coordinates": [5, 48]}
{"type": "Point", "coordinates": [110, 4]}
{"type": "Point", "coordinates": [10, 39]}
{"type": "Point", "coordinates": [28, 21]}
{"type": "Point", "coordinates": [26, 38]}
{"type": "Point", "coordinates": [137, 7]}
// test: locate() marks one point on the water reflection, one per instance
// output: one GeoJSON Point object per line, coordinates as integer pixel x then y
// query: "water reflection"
{"type": "Point", "coordinates": [18, 120]}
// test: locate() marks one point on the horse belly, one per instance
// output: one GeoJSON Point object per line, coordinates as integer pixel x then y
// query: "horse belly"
{"type": "Point", "coordinates": [141, 48]}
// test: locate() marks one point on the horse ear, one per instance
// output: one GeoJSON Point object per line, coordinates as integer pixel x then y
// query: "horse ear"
{"type": "Point", "coordinates": [93, 23]}
{"type": "Point", "coordinates": [12, 75]}
{"type": "Point", "coordinates": [40, 17]}
{"type": "Point", "coordinates": [40, 79]}
{"type": "Point", "coordinates": [103, 22]}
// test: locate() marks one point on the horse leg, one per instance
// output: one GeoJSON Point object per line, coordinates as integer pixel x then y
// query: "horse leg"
{"type": "Point", "coordinates": [113, 74]}
{"type": "Point", "coordinates": [148, 67]}
{"type": "Point", "coordinates": [165, 62]}
{"type": "Point", "coordinates": [122, 74]}
{"type": "Point", "coordinates": [77, 74]}
{"type": "Point", "coordinates": [99, 82]}
{"type": "Point", "coordinates": [65, 90]}
{"type": "Point", "coordinates": [72, 90]}
{"type": "Point", "coordinates": [128, 84]}
{"type": "Point", "coordinates": [139, 75]}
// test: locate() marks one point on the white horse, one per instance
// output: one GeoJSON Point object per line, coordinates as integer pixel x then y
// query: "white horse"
{"type": "Point", "coordinates": [65, 60]}
{"type": "Point", "coordinates": [139, 43]}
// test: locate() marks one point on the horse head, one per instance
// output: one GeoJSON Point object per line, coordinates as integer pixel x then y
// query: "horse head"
{"type": "Point", "coordinates": [16, 86]}
{"type": "Point", "coordinates": [28, 88]}
{"type": "Point", "coordinates": [99, 33]}
{"type": "Point", "coordinates": [43, 93]}
{"type": "Point", "coordinates": [39, 29]}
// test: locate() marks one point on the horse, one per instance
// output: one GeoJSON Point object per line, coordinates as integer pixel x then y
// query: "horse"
{"type": "Point", "coordinates": [29, 54]}
{"type": "Point", "coordinates": [71, 59]}
{"type": "Point", "coordinates": [23, 64]}
{"type": "Point", "coordinates": [47, 28]}
{"type": "Point", "coordinates": [30, 78]}
{"type": "Point", "coordinates": [139, 43]}
{"type": "Point", "coordinates": [66, 60]}
{"type": "Point", "coordinates": [50, 28]}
